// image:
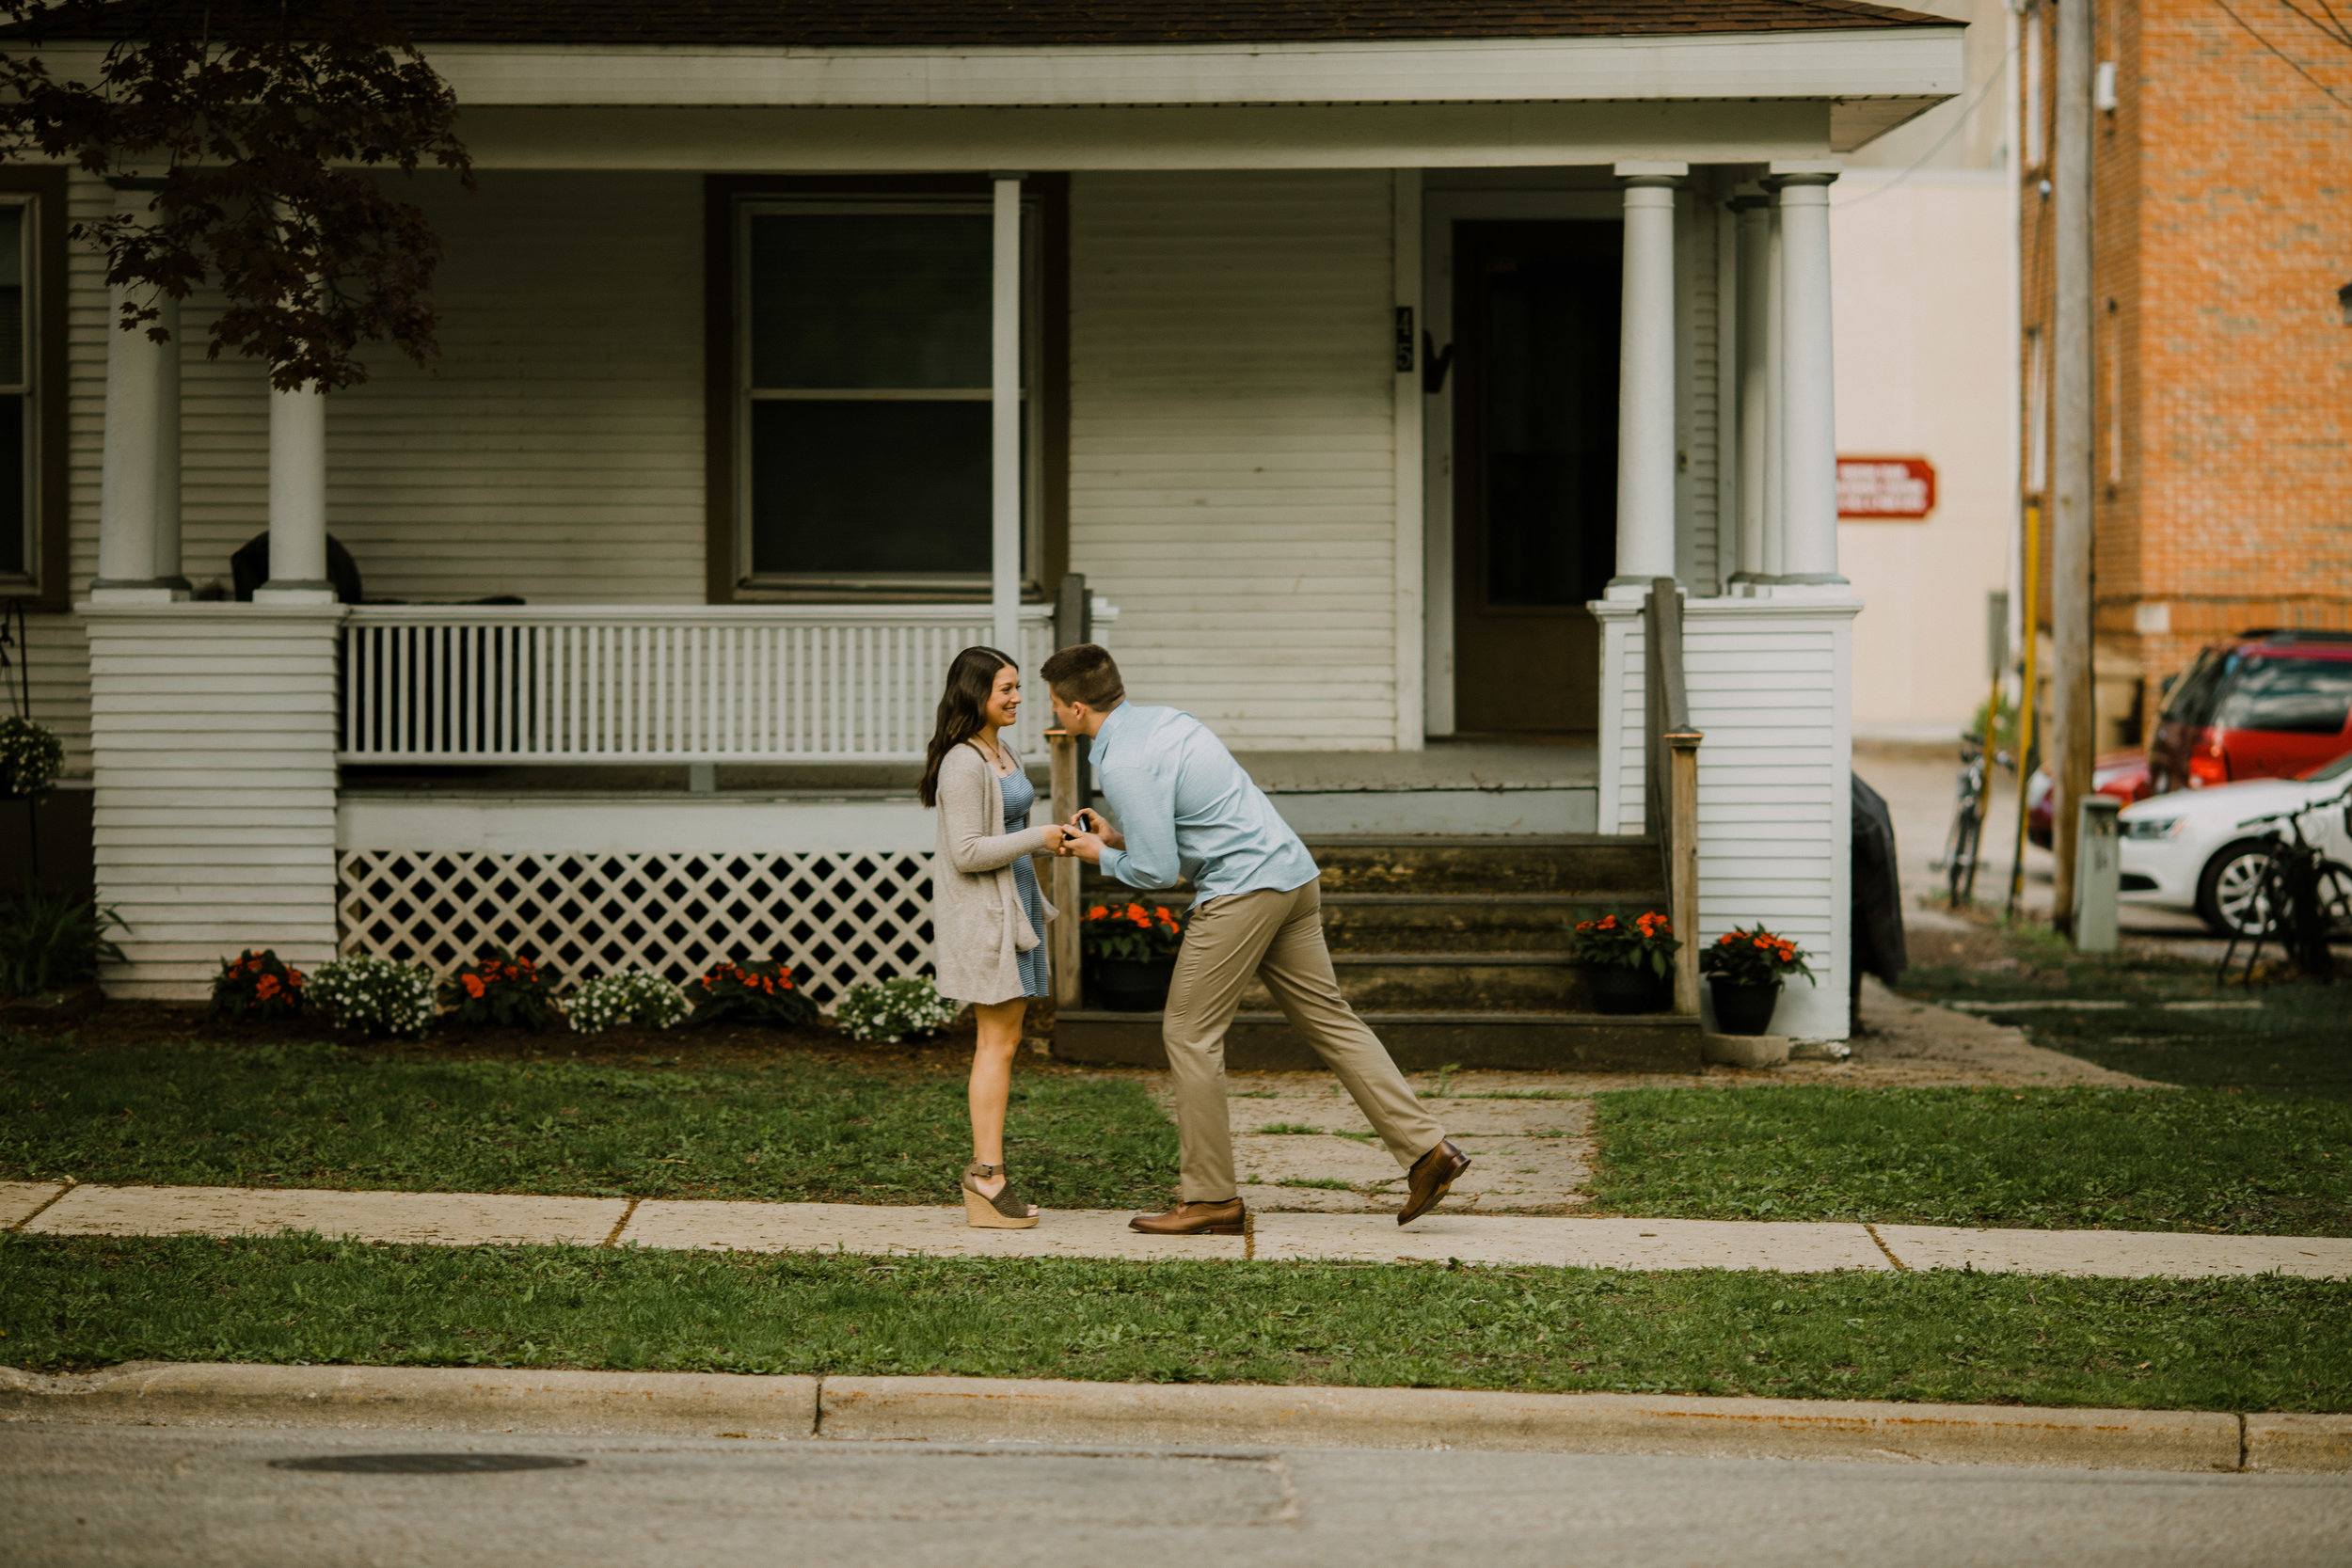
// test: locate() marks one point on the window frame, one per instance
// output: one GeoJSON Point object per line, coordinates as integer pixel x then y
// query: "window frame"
{"type": "Point", "coordinates": [45, 581]}
{"type": "Point", "coordinates": [731, 203]}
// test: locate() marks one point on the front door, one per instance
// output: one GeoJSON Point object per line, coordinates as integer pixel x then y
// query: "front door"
{"type": "Point", "coordinates": [1535, 309]}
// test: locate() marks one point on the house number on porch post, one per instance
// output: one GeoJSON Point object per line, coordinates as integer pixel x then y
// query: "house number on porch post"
{"type": "Point", "coordinates": [1404, 339]}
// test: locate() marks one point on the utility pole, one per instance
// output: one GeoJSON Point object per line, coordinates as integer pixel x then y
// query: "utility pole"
{"type": "Point", "coordinates": [2071, 717]}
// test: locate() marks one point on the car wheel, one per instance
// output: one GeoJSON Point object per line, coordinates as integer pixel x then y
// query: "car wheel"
{"type": "Point", "coordinates": [2229, 894]}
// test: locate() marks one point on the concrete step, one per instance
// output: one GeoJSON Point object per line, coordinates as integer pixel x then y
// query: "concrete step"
{"type": "Point", "coordinates": [1593, 869]}
{"type": "Point", "coordinates": [1602, 866]}
{"type": "Point", "coordinates": [1456, 921]}
{"type": "Point", "coordinates": [1419, 1041]}
{"type": "Point", "coordinates": [1451, 982]}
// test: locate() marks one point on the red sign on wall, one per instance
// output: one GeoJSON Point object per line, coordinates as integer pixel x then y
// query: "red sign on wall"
{"type": "Point", "coordinates": [1883, 487]}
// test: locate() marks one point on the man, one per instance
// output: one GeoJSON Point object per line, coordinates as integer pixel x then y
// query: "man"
{"type": "Point", "coordinates": [1186, 810]}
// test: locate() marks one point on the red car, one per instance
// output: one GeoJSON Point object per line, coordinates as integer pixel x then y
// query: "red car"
{"type": "Point", "coordinates": [2122, 774]}
{"type": "Point", "coordinates": [2264, 704]}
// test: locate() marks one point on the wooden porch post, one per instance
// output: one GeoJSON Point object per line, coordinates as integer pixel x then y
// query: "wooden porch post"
{"type": "Point", "coordinates": [1062, 934]}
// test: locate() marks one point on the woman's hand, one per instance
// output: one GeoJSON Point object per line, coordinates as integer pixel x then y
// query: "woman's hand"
{"type": "Point", "coordinates": [1054, 833]}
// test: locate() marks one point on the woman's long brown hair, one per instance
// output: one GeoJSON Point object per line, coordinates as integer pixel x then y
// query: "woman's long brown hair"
{"type": "Point", "coordinates": [970, 677]}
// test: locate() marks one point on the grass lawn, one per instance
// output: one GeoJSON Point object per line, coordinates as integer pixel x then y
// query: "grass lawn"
{"type": "Point", "coordinates": [2242, 1344]}
{"type": "Point", "coordinates": [801, 1127]}
{"type": "Point", "coordinates": [2124, 1159]}
{"type": "Point", "coordinates": [2297, 1042]}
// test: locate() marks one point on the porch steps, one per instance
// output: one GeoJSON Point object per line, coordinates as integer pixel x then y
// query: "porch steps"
{"type": "Point", "coordinates": [1454, 949]}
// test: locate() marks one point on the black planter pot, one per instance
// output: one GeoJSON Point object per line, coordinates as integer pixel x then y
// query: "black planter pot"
{"type": "Point", "coordinates": [1618, 989]}
{"type": "Point", "coordinates": [1744, 1010]}
{"type": "Point", "coordinates": [1132, 984]}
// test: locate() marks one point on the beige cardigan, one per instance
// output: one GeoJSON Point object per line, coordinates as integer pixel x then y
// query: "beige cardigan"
{"type": "Point", "coordinates": [979, 928]}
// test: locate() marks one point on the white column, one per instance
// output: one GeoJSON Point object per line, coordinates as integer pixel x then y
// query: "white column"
{"type": "Point", "coordinates": [1809, 390]}
{"type": "Point", "coordinates": [1775, 403]}
{"type": "Point", "coordinates": [1645, 382]}
{"type": "Point", "coordinates": [297, 500]}
{"type": "Point", "coordinates": [140, 454]}
{"type": "Point", "coordinates": [1755, 387]}
{"type": "Point", "coordinates": [1005, 421]}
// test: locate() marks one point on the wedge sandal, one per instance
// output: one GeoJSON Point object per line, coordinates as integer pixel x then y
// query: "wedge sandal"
{"type": "Point", "coordinates": [1007, 1211]}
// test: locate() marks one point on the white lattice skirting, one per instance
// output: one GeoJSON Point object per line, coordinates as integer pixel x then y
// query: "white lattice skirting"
{"type": "Point", "coordinates": [838, 918]}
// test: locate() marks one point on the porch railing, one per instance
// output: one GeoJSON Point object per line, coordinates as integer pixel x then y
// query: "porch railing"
{"type": "Point", "coordinates": [662, 684]}
{"type": "Point", "coordinates": [1672, 775]}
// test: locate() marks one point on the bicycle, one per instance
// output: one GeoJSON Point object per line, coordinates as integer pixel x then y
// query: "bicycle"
{"type": "Point", "coordinates": [2302, 897]}
{"type": "Point", "coordinates": [1966, 833]}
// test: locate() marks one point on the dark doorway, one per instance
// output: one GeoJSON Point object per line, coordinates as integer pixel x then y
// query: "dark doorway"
{"type": "Point", "coordinates": [1536, 311]}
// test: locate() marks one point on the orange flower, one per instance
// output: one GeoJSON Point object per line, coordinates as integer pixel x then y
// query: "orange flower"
{"type": "Point", "coordinates": [1162, 914]}
{"type": "Point", "coordinates": [267, 989]}
{"type": "Point", "coordinates": [1098, 912]}
{"type": "Point", "coordinates": [1725, 940]}
{"type": "Point", "coordinates": [474, 987]}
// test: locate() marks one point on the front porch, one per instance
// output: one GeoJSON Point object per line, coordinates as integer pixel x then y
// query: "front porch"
{"type": "Point", "coordinates": [1192, 371]}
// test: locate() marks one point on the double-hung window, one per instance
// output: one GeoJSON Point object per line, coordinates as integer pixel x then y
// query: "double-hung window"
{"type": "Point", "coordinates": [862, 406]}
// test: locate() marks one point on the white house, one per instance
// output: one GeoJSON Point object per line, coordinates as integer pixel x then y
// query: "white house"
{"type": "Point", "coordinates": [786, 351]}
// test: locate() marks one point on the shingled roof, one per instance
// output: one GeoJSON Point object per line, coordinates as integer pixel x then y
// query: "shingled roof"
{"type": "Point", "coordinates": [1043, 23]}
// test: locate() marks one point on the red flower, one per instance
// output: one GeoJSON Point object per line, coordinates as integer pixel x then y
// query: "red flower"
{"type": "Point", "coordinates": [1098, 912]}
{"type": "Point", "coordinates": [473, 986]}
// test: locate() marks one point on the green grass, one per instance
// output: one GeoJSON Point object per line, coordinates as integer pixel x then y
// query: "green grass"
{"type": "Point", "coordinates": [800, 1129]}
{"type": "Point", "coordinates": [2236, 1344]}
{"type": "Point", "coordinates": [2125, 1159]}
{"type": "Point", "coordinates": [2296, 1043]}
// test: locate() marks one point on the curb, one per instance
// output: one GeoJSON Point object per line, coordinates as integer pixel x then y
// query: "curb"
{"type": "Point", "coordinates": [955, 1409]}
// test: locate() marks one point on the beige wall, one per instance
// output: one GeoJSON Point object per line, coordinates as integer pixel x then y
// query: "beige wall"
{"type": "Point", "coordinates": [1925, 368]}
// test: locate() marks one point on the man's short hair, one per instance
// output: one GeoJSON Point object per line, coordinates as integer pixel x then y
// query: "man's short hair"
{"type": "Point", "coordinates": [1085, 673]}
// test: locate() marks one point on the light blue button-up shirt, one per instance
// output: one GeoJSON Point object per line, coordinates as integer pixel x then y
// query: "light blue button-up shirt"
{"type": "Point", "coordinates": [1188, 810]}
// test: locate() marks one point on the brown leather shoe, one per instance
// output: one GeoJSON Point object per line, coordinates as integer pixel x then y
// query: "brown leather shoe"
{"type": "Point", "coordinates": [1431, 1175]}
{"type": "Point", "coordinates": [1194, 1219]}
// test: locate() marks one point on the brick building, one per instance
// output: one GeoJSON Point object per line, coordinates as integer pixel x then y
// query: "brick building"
{"type": "Point", "coordinates": [2222, 392]}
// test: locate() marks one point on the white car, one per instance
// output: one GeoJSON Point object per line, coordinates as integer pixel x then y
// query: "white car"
{"type": "Point", "coordinates": [2195, 850]}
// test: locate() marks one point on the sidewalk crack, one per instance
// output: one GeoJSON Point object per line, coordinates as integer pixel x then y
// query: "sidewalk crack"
{"type": "Point", "coordinates": [2242, 1443]}
{"type": "Point", "coordinates": [1898, 1264]}
{"type": "Point", "coordinates": [816, 1419]}
{"type": "Point", "coordinates": [53, 1197]}
{"type": "Point", "coordinates": [627, 1214]}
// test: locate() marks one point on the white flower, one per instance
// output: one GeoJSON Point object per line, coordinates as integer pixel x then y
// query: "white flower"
{"type": "Point", "coordinates": [909, 1007]}
{"type": "Point", "coordinates": [611, 1000]}
{"type": "Point", "coordinates": [381, 996]}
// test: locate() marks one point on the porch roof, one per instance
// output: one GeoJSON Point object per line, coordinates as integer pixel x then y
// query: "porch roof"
{"type": "Point", "coordinates": [723, 85]}
{"type": "Point", "coordinates": [1050, 24]}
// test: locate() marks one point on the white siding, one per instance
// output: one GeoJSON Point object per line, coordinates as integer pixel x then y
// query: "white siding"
{"type": "Point", "coordinates": [556, 450]}
{"type": "Point", "coordinates": [1770, 687]}
{"type": "Point", "coordinates": [215, 804]}
{"type": "Point", "coordinates": [1698, 442]}
{"type": "Point", "coordinates": [1769, 683]}
{"type": "Point", "coordinates": [1233, 448]}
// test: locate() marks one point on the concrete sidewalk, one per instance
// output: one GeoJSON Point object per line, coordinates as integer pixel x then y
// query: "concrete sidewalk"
{"type": "Point", "coordinates": [478, 1219]}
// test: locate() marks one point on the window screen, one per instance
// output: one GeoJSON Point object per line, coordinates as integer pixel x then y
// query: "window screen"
{"type": "Point", "coordinates": [2298, 696]}
{"type": "Point", "coordinates": [868, 425]}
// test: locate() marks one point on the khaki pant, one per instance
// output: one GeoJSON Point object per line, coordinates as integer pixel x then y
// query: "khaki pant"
{"type": "Point", "coordinates": [1276, 937]}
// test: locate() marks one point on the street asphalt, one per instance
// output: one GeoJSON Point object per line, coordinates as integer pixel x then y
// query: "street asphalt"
{"type": "Point", "coordinates": [72, 1495]}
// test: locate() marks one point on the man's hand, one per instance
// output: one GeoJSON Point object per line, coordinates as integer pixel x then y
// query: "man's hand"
{"type": "Point", "coordinates": [1092, 822]}
{"type": "Point", "coordinates": [1086, 846]}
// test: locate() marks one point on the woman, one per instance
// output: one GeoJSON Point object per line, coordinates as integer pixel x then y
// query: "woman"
{"type": "Point", "coordinates": [988, 919]}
